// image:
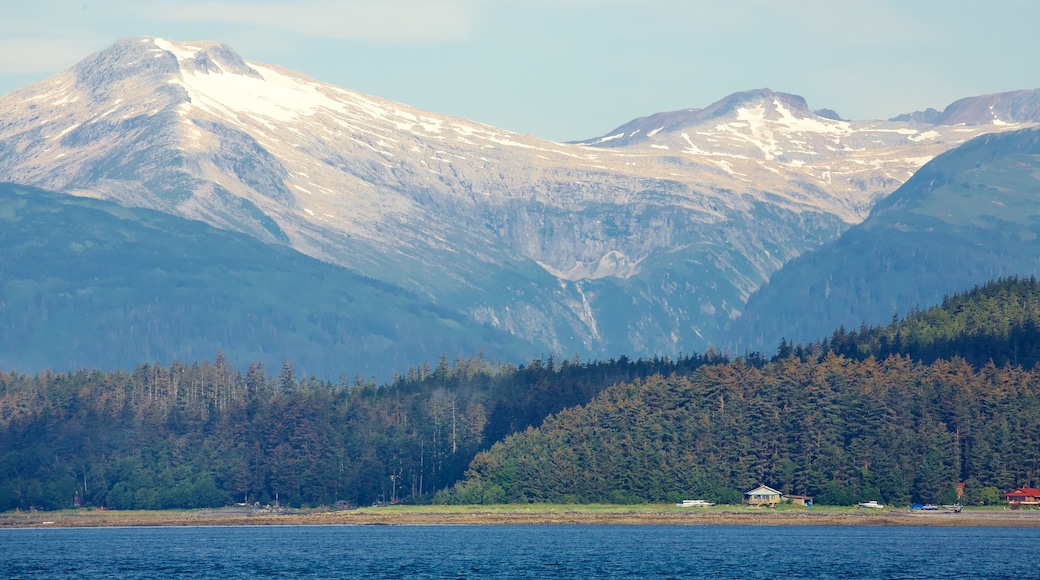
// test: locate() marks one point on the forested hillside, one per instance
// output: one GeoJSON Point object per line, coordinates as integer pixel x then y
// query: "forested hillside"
{"type": "Point", "coordinates": [840, 430]}
{"type": "Point", "coordinates": [206, 435]}
{"type": "Point", "coordinates": [998, 322]}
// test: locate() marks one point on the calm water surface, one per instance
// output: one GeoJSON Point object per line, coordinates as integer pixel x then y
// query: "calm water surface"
{"type": "Point", "coordinates": [520, 552]}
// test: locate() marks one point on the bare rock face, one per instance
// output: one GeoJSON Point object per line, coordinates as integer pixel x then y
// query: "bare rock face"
{"type": "Point", "coordinates": [645, 241]}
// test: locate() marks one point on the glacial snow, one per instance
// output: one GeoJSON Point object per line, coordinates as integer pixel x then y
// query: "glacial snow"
{"type": "Point", "coordinates": [275, 96]}
{"type": "Point", "coordinates": [182, 51]}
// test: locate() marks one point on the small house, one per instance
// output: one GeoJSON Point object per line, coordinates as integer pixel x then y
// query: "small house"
{"type": "Point", "coordinates": [805, 500]}
{"type": "Point", "coordinates": [1023, 496]}
{"type": "Point", "coordinates": [763, 495]}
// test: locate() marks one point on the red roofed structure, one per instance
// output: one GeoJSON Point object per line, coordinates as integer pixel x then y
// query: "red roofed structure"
{"type": "Point", "coordinates": [1024, 496]}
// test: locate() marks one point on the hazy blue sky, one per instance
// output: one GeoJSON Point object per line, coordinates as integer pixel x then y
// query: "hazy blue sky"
{"type": "Point", "coordinates": [571, 69]}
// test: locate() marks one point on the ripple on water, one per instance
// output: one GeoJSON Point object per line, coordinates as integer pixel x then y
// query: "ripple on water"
{"type": "Point", "coordinates": [530, 551]}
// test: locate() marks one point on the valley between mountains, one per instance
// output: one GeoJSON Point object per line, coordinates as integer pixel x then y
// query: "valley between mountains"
{"type": "Point", "coordinates": [645, 241]}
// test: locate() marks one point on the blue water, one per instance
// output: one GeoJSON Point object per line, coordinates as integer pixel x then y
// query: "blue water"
{"type": "Point", "coordinates": [540, 551]}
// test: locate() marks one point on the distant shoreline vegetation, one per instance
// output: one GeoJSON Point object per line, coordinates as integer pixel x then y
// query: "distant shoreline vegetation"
{"type": "Point", "coordinates": [207, 435]}
{"type": "Point", "coordinates": [830, 420]}
{"type": "Point", "coordinates": [840, 430]}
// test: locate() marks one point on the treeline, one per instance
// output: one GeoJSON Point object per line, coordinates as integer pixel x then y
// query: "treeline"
{"type": "Point", "coordinates": [206, 434]}
{"type": "Point", "coordinates": [843, 431]}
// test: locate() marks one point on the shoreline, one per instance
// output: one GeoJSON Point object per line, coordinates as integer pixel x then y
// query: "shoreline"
{"type": "Point", "coordinates": [520, 515]}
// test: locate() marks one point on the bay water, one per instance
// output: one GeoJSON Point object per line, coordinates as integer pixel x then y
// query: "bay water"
{"type": "Point", "coordinates": [528, 551]}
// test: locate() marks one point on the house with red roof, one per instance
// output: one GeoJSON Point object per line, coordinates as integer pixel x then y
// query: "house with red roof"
{"type": "Point", "coordinates": [1023, 496]}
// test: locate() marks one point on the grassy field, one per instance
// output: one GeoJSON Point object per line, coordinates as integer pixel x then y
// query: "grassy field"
{"type": "Point", "coordinates": [529, 514]}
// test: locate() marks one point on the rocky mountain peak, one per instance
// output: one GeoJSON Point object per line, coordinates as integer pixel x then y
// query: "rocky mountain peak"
{"type": "Point", "coordinates": [208, 58]}
{"type": "Point", "coordinates": [127, 58]}
{"type": "Point", "coordinates": [153, 62]}
{"type": "Point", "coordinates": [763, 103]}
{"type": "Point", "coordinates": [754, 99]}
{"type": "Point", "coordinates": [829, 114]}
{"type": "Point", "coordinates": [927, 116]}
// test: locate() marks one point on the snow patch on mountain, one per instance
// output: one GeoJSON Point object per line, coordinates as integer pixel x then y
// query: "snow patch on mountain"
{"type": "Point", "coordinates": [183, 52]}
{"type": "Point", "coordinates": [274, 96]}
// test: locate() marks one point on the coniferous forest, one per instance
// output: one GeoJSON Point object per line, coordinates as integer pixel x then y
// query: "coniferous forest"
{"type": "Point", "coordinates": [207, 435]}
{"type": "Point", "coordinates": [843, 431]}
{"type": "Point", "coordinates": [899, 413]}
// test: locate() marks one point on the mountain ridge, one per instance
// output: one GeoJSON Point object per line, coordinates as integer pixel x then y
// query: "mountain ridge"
{"type": "Point", "coordinates": [1012, 107]}
{"type": "Point", "coordinates": [555, 243]}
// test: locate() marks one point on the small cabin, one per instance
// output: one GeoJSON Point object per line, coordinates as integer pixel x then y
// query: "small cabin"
{"type": "Point", "coordinates": [805, 500]}
{"type": "Point", "coordinates": [763, 495]}
{"type": "Point", "coordinates": [1023, 496]}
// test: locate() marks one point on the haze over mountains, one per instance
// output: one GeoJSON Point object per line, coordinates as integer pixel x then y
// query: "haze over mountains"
{"type": "Point", "coordinates": [645, 241]}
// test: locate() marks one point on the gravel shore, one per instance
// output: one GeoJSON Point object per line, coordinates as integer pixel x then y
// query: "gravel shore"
{"type": "Point", "coordinates": [521, 515]}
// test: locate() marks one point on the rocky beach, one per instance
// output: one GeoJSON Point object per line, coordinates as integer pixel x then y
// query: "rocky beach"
{"type": "Point", "coordinates": [524, 515]}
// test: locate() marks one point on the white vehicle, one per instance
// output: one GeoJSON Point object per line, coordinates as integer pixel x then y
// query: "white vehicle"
{"type": "Point", "coordinates": [695, 503]}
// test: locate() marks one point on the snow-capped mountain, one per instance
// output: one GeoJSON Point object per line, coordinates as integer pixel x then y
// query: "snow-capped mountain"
{"type": "Point", "coordinates": [644, 241]}
{"type": "Point", "coordinates": [773, 141]}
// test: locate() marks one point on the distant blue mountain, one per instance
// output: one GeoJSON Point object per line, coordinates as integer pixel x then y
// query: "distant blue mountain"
{"type": "Point", "coordinates": [969, 216]}
{"type": "Point", "coordinates": [88, 283]}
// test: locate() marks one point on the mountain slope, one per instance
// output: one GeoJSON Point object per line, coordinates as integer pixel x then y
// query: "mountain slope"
{"type": "Point", "coordinates": [645, 249]}
{"type": "Point", "coordinates": [1000, 109]}
{"type": "Point", "coordinates": [88, 283]}
{"type": "Point", "coordinates": [969, 216]}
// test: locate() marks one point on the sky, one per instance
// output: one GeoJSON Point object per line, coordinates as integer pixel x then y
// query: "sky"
{"type": "Point", "coordinates": [574, 69]}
